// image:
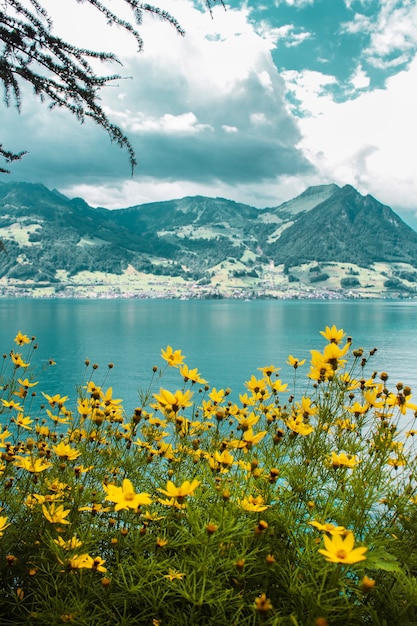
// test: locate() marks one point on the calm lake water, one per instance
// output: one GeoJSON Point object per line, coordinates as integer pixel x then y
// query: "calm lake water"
{"type": "Point", "coordinates": [227, 339]}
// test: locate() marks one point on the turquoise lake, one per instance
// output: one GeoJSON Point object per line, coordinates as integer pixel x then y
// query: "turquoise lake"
{"type": "Point", "coordinates": [227, 340]}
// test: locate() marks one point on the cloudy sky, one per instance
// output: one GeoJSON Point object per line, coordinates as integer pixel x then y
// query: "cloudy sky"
{"type": "Point", "coordinates": [254, 104]}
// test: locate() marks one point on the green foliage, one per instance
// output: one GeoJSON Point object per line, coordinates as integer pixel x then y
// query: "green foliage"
{"type": "Point", "coordinates": [243, 273]}
{"type": "Point", "coordinates": [410, 276]}
{"type": "Point", "coordinates": [280, 509]}
{"type": "Point", "coordinates": [319, 278]}
{"type": "Point", "coordinates": [396, 284]}
{"type": "Point", "coordinates": [349, 281]}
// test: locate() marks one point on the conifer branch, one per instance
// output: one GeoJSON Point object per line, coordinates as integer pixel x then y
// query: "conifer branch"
{"type": "Point", "coordinates": [61, 73]}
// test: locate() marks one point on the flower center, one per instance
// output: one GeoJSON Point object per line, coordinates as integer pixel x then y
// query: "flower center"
{"type": "Point", "coordinates": [341, 554]}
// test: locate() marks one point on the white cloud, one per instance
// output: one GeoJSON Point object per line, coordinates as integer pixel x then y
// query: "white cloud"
{"type": "Point", "coordinates": [309, 89]}
{"type": "Point", "coordinates": [259, 119]}
{"type": "Point", "coordinates": [132, 192]}
{"type": "Point", "coordinates": [185, 123]}
{"type": "Point", "coordinates": [369, 141]}
{"type": "Point", "coordinates": [359, 24]}
{"type": "Point", "coordinates": [229, 129]}
{"type": "Point", "coordinates": [208, 109]}
{"type": "Point", "coordinates": [294, 3]}
{"type": "Point", "coordinates": [396, 29]}
{"type": "Point", "coordinates": [265, 80]}
{"type": "Point", "coordinates": [360, 79]}
{"type": "Point", "coordinates": [289, 34]}
{"type": "Point", "coordinates": [350, 3]}
{"type": "Point", "coordinates": [207, 113]}
{"type": "Point", "coordinates": [392, 32]}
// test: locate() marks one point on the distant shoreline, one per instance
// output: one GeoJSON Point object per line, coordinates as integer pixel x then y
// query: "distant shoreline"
{"type": "Point", "coordinates": [45, 293]}
{"type": "Point", "coordinates": [273, 284]}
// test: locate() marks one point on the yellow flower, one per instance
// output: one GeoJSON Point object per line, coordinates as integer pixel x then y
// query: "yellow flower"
{"type": "Point", "coordinates": [268, 370]}
{"type": "Point", "coordinates": [248, 440]}
{"type": "Point", "coordinates": [21, 339]}
{"type": "Point", "coordinates": [84, 407]}
{"type": "Point", "coordinates": [340, 549]}
{"type": "Point", "coordinates": [97, 564]}
{"type": "Point", "coordinates": [333, 334]}
{"type": "Point", "coordinates": [55, 400]}
{"type": "Point", "coordinates": [295, 362]}
{"type": "Point", "coordinates": [64, 451]}
{"type": "Point", "coordinates": [11, 404]}
{"type": "Point", "coordinates": [358, 409]}
{"type": "Point", "coordinates": [247, 421]}
{"type": "Point", "coordinates": [192, 375]}
{"type": "Point", "coordinates": [173, 574]}
{"type": "Point", "coordinates": [297, 425]}
{"type": "Point", "coordinates": [345, 424]}
{"type": "Point", "coordinates": [172, 402]}
{"type": "Point", "coordinates": [329, 528]}
{"type": "Point", "coordinates": [86, 561]}
{"type": "Point", "coordinates": [26, 383]}
{"type": "Point", "coordinates": [217, 396]}
{"type": "Point", "coordinates": [402, 401]}
{"type": "Point", "coordinates": [109, 401]}
{"type": "Point", "coordinates": [161, 542]}
{"type": "Point", "coordinates": [4, 436]}
{"type": "Point", "coordinates": [323, 366]}
{"type": "Point", "coordinates": [319, 369]}
{"type": "Point", "coordinates": [367, 584]}
{"type": "Point", "coordinates": [256, 385]}
{"type": "Point", "coordinates": [31, 464]}
{"type": "Point", "coordinates": [33, 499]}
{"type": "Point", "coordinates": [57, 418]}
{"type": "Point", "coordinates": [174, 358]}
{"type": "Point", "coordinates": [55, 514]}
{"type": "Point", "coordinates": [17, 360]}
{"type": "Point", "coordinates": [125, 496]}
{"type": "Point", "coordinates": [224, 458]}
{"type": "Point", "coordinates": [95, 508]}
{"type": "Point", "coordinates": [246, 400]}
{"type": "Point", "coordinates": [263, 604]}
{"type": "Point", "coordinates": [253, 504]}
{"type": "Point", "coordinates": [166, 450]}
{"type": "Point", "coordinates": [251, 439]}
{"type": "Point", "coordinates": [278, 386]}
{"type": "Point", "coordinates": [332, 354]}
{"type": "Point", "coordinates": [56, 486]}
{"type": "Point", "coordinates": [152, 517]}
{"type": "Point", "coordinates": [187, 489]}
{"type": "Point", "coordinates": [70, 544]}
{"type": "Point", "coordinates": [80, 469]}
{"type": "Point", "coordinates": [95, 391]}
{"type": "Point", "coordinates": [3, 525]}
{"type": "Point", "coordinates": [23, 422]}
{"type": "Point", "coordinates": [396, 462]}
{"type": "Point", "coordinates": [305, 407]}
{"type": "Point", "coordinates": [342, 459]}
{"type": "Point", "coordinates": [371, 397]}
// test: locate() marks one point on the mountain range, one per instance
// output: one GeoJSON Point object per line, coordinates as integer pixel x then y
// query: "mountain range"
{"type": "Point", "coordinates": [329, 239]}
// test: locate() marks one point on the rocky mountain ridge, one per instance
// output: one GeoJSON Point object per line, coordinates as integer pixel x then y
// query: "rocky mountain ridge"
{"type": "Point", "coordinates": [329, 239]}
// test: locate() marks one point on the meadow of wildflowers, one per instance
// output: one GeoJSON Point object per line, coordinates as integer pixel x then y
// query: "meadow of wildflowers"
{"type": "Point", "coordinates": [284, 508]}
